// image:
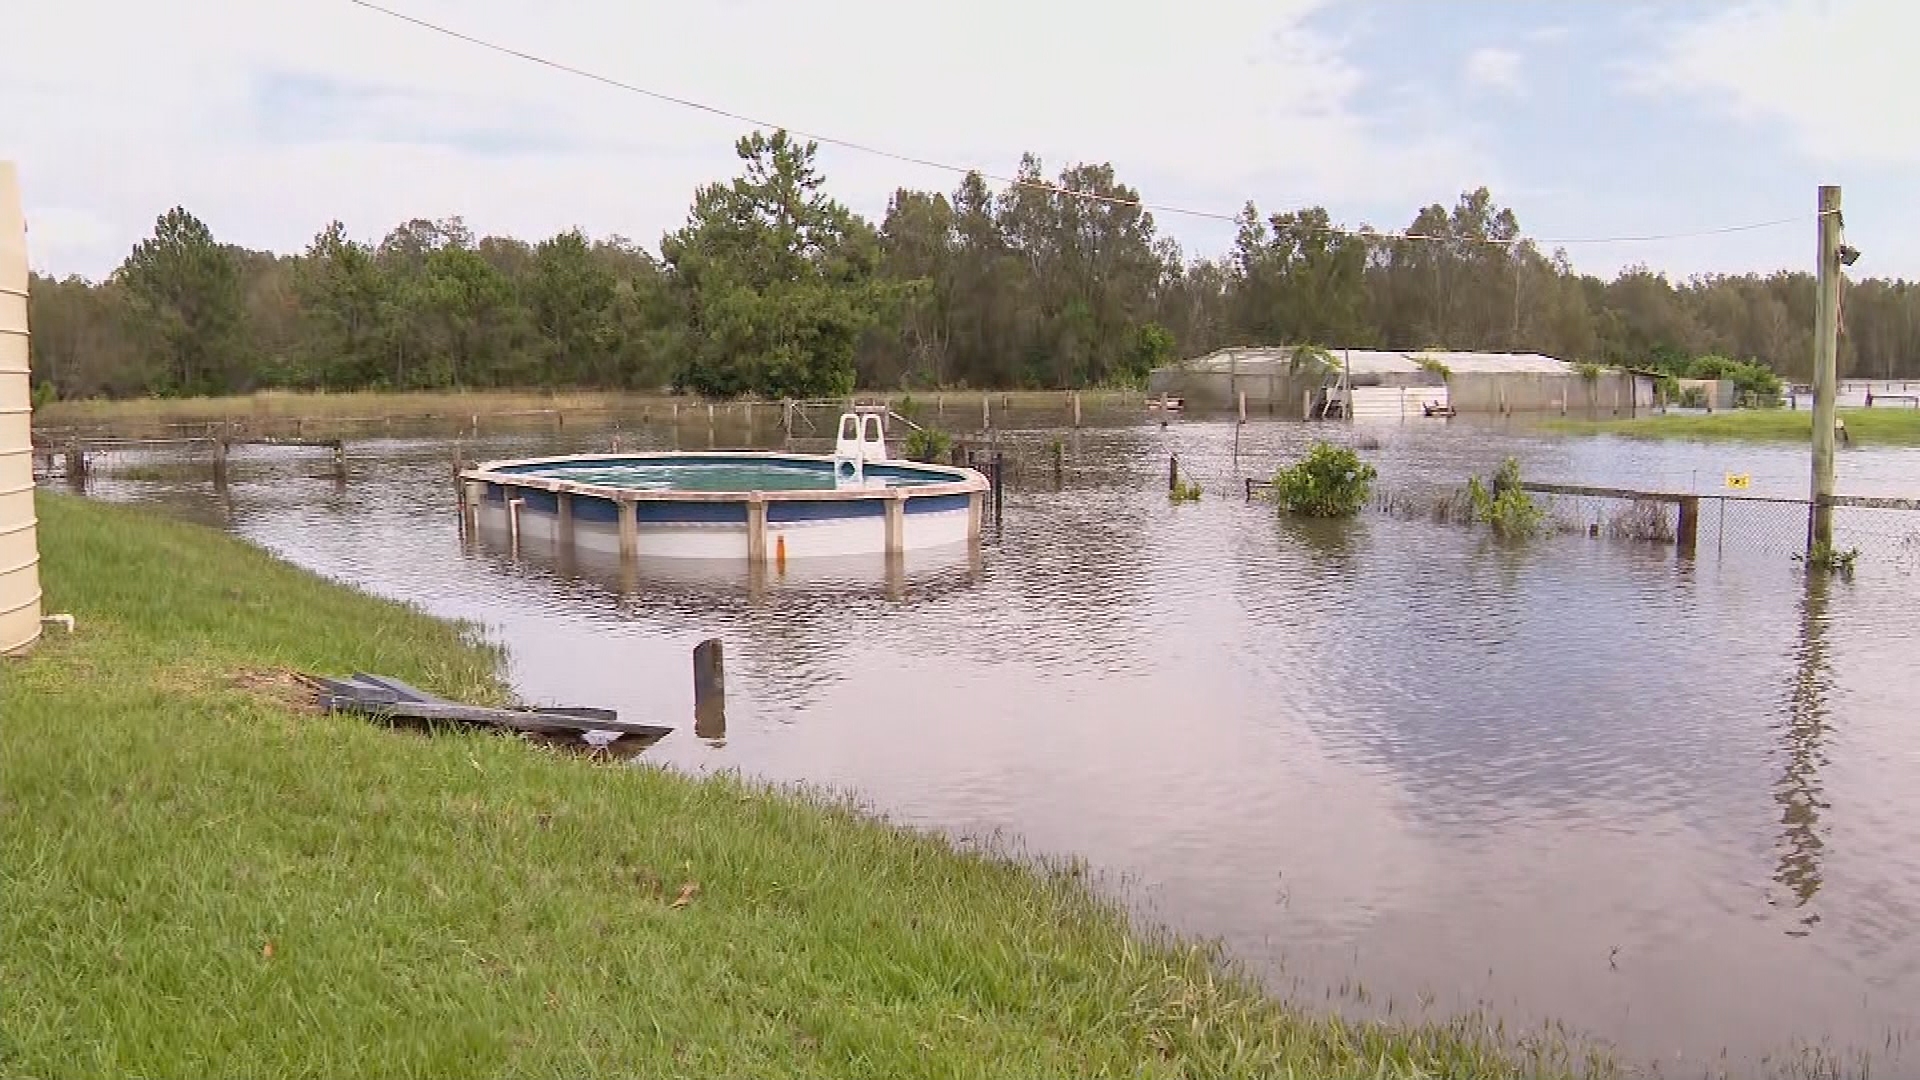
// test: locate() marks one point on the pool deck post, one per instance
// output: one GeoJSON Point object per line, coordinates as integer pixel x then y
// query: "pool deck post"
{"type": "Point", "coordinates": [975, 508]}
{"type": "Point", "coordinates": [896, 521]}
{"type": "Point", "coordinates": [757, 529]}
{"type": "Point", "coordinates": [564, 514]}
{"type": "Point", "coordinates": [476, 494]}
{"type": "Point", "coordinates": [629, 529]}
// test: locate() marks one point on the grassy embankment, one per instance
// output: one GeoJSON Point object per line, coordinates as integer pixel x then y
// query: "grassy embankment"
{"type": "Point", "coordinates": [201, 879]}
{"type": "Point", "coordinates": [325, 410]}
{"type": "Point", "coordinates": [1885, 427]}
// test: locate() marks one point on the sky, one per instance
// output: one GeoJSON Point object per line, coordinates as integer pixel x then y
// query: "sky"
{"type": "Point", "coordinates": [1591, 119]}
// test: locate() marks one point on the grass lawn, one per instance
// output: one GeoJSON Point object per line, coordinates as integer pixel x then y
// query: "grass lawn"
{"type": "Point", "coordinates": [1885, 427]}
{"type": "Point", "coordinates": [139, 415]}
{"type": "Point", "coordinates": [198, 878]}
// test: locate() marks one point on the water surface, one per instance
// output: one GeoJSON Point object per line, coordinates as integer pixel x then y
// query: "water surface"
{"type": "Point", "coordinates": [1392, 764]}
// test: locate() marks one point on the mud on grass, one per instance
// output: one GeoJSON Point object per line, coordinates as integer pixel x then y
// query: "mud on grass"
{"type": "Point", "coordinates": [197, 881]}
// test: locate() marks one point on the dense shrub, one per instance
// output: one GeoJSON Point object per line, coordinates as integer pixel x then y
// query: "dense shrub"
{"type": "Point", "coordinates": [1331, 481]}
{"type": "Point", "coordinates": [1754, 383]}
{"type": "Point", "coordinates": [1509, 511]}
{"type": "Point", "coordinates": [927, 444]}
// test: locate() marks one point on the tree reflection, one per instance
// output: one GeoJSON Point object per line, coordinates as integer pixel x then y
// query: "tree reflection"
{"type": "Point", "coordinates": [1799, 790]}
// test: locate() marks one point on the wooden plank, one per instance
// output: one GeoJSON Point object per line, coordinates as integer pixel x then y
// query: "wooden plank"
{"type": "Point", "coordinates": [396, 687]}
{"type": "Point", "coordinates": [545, 723]}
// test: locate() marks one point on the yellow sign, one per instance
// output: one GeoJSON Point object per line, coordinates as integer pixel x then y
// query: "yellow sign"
{"type": "Point", "coordinates": [1739, 481]}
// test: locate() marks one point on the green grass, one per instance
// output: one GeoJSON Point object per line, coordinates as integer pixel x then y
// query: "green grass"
{"type": "Point", "coordinates": [328, 410]}
{"type": "Point", "coordinates": [1887, 427]}
{"type": "Point", "coordinates": [202, 879]}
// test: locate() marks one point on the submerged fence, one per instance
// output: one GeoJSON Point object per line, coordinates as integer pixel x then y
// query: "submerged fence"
{"type": "Point", "coordinates": [1880, 529]}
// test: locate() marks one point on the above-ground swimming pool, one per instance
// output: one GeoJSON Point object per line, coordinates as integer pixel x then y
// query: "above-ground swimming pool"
{"type": "Point", "coordinates": [762, 507]}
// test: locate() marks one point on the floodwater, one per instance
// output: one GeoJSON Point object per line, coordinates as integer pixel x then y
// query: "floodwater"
{"type": "Point", "coordinates": [1392, 765]}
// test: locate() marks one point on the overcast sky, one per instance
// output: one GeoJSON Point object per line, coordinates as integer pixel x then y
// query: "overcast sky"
{"type": "Point", "coordinates": [269, 117]}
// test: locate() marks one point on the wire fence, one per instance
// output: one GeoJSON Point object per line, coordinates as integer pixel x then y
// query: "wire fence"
{"type": "Point", "coordinates": [1878, 530]}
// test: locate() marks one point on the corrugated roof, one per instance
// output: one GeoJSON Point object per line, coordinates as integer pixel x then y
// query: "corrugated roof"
{"type": "Point", "coordinates": [1258, 359]}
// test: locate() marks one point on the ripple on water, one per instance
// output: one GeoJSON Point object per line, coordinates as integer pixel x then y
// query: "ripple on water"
{"type": "Point", "coordinates": [1669, 804]}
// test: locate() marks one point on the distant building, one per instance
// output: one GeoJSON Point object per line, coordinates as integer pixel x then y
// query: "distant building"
{"type": "Point", "coordinates": [1392, 384]}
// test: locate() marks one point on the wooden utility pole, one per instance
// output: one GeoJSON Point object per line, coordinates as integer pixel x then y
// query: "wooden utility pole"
{"type": "Point", "coordinates": [1826, 345]}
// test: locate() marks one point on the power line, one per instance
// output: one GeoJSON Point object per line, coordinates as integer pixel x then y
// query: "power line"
{"type": "Point", "coordinates": [1014, 181]}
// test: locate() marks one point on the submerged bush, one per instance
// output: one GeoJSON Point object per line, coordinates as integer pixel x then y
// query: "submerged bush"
{"type": "Point", "coordinates": [1330, 482]}
{"type": "Point", "coordinates": [1184, 490]}
{"type": "Point", "coordinates": [1827, 559]}
{"type": "Point", "coordinates": [1509, 511]}
{"type": "Point", "coordinates": [927, 444]}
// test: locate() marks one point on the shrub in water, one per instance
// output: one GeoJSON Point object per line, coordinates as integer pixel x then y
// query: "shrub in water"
{"type": "Point", "coordinates": [928, 444]}
{"type": "Point", "coordinates": [1827, 559]}
{"type": "Point", "coordinates": [1331, 482]}
{"type": "Point", "coordinates": [1510, 512]}
{"type": "Point", "coordinates": [1184, 491]}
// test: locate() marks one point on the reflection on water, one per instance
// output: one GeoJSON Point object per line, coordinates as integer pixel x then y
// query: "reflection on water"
{"type": "Point", "coordinates": [1558, 781]}
{"type": "Point", "coordinates": [1799, 788]}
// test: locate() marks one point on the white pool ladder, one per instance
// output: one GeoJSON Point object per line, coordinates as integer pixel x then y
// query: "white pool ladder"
{"type": "Point", "coordinates": [862, 438]}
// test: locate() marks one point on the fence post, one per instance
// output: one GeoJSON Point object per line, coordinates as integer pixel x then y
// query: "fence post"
{"type": "Point", "coordinates": [1173, 472]}
{"type": "Point", "coordinates": [709, 689]}
{"type": "Point", "coordinates": [999, 466]}
{"type": "Point", "coordinates": [1688, 533]}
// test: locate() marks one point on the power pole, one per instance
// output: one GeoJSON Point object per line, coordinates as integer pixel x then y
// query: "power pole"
{"type": "Point", "coordinates": [1826, 345]}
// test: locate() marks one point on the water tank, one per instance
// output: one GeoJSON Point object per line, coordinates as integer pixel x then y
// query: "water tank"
{"type": "Point", "coordinates": [19, 546]}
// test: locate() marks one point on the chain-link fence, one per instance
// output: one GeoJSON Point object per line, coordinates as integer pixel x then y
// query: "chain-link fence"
{"type": "Point", "coordinates": [1876, 529]}
{"type": "Point", "coordinates": [1872, 529]}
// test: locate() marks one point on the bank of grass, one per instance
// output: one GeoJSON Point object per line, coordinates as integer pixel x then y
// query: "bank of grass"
{"type": "Point", "coordinates": [202, 879]}
{"type": "Point", "coordinates": [357, 405]}
{"type": "Point", "coordinates": [1886, 427]}
{"type": "Point", "coordinates": [144, 414]}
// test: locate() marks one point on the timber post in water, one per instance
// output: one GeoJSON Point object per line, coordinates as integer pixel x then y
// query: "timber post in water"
{"type": "Point", "coordinates": [709, 690]}
{"type": "Point", "coordinates": [1687, 530]}
{"type": "Point", "coordinates": [77, 465]}
{"type": "Point", "coordinates": [1826, 331]}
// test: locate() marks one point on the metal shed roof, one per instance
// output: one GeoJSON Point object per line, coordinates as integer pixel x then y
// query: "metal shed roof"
{"type": "Point", "coordinates": [1250, 360]}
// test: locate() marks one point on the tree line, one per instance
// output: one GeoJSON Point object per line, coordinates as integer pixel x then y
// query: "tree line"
{"type": "Point", "coordinates": [774, 288]}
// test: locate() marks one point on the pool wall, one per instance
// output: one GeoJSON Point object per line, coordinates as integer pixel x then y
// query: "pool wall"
{"type": "Point", "coordinates": [530, 499]}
